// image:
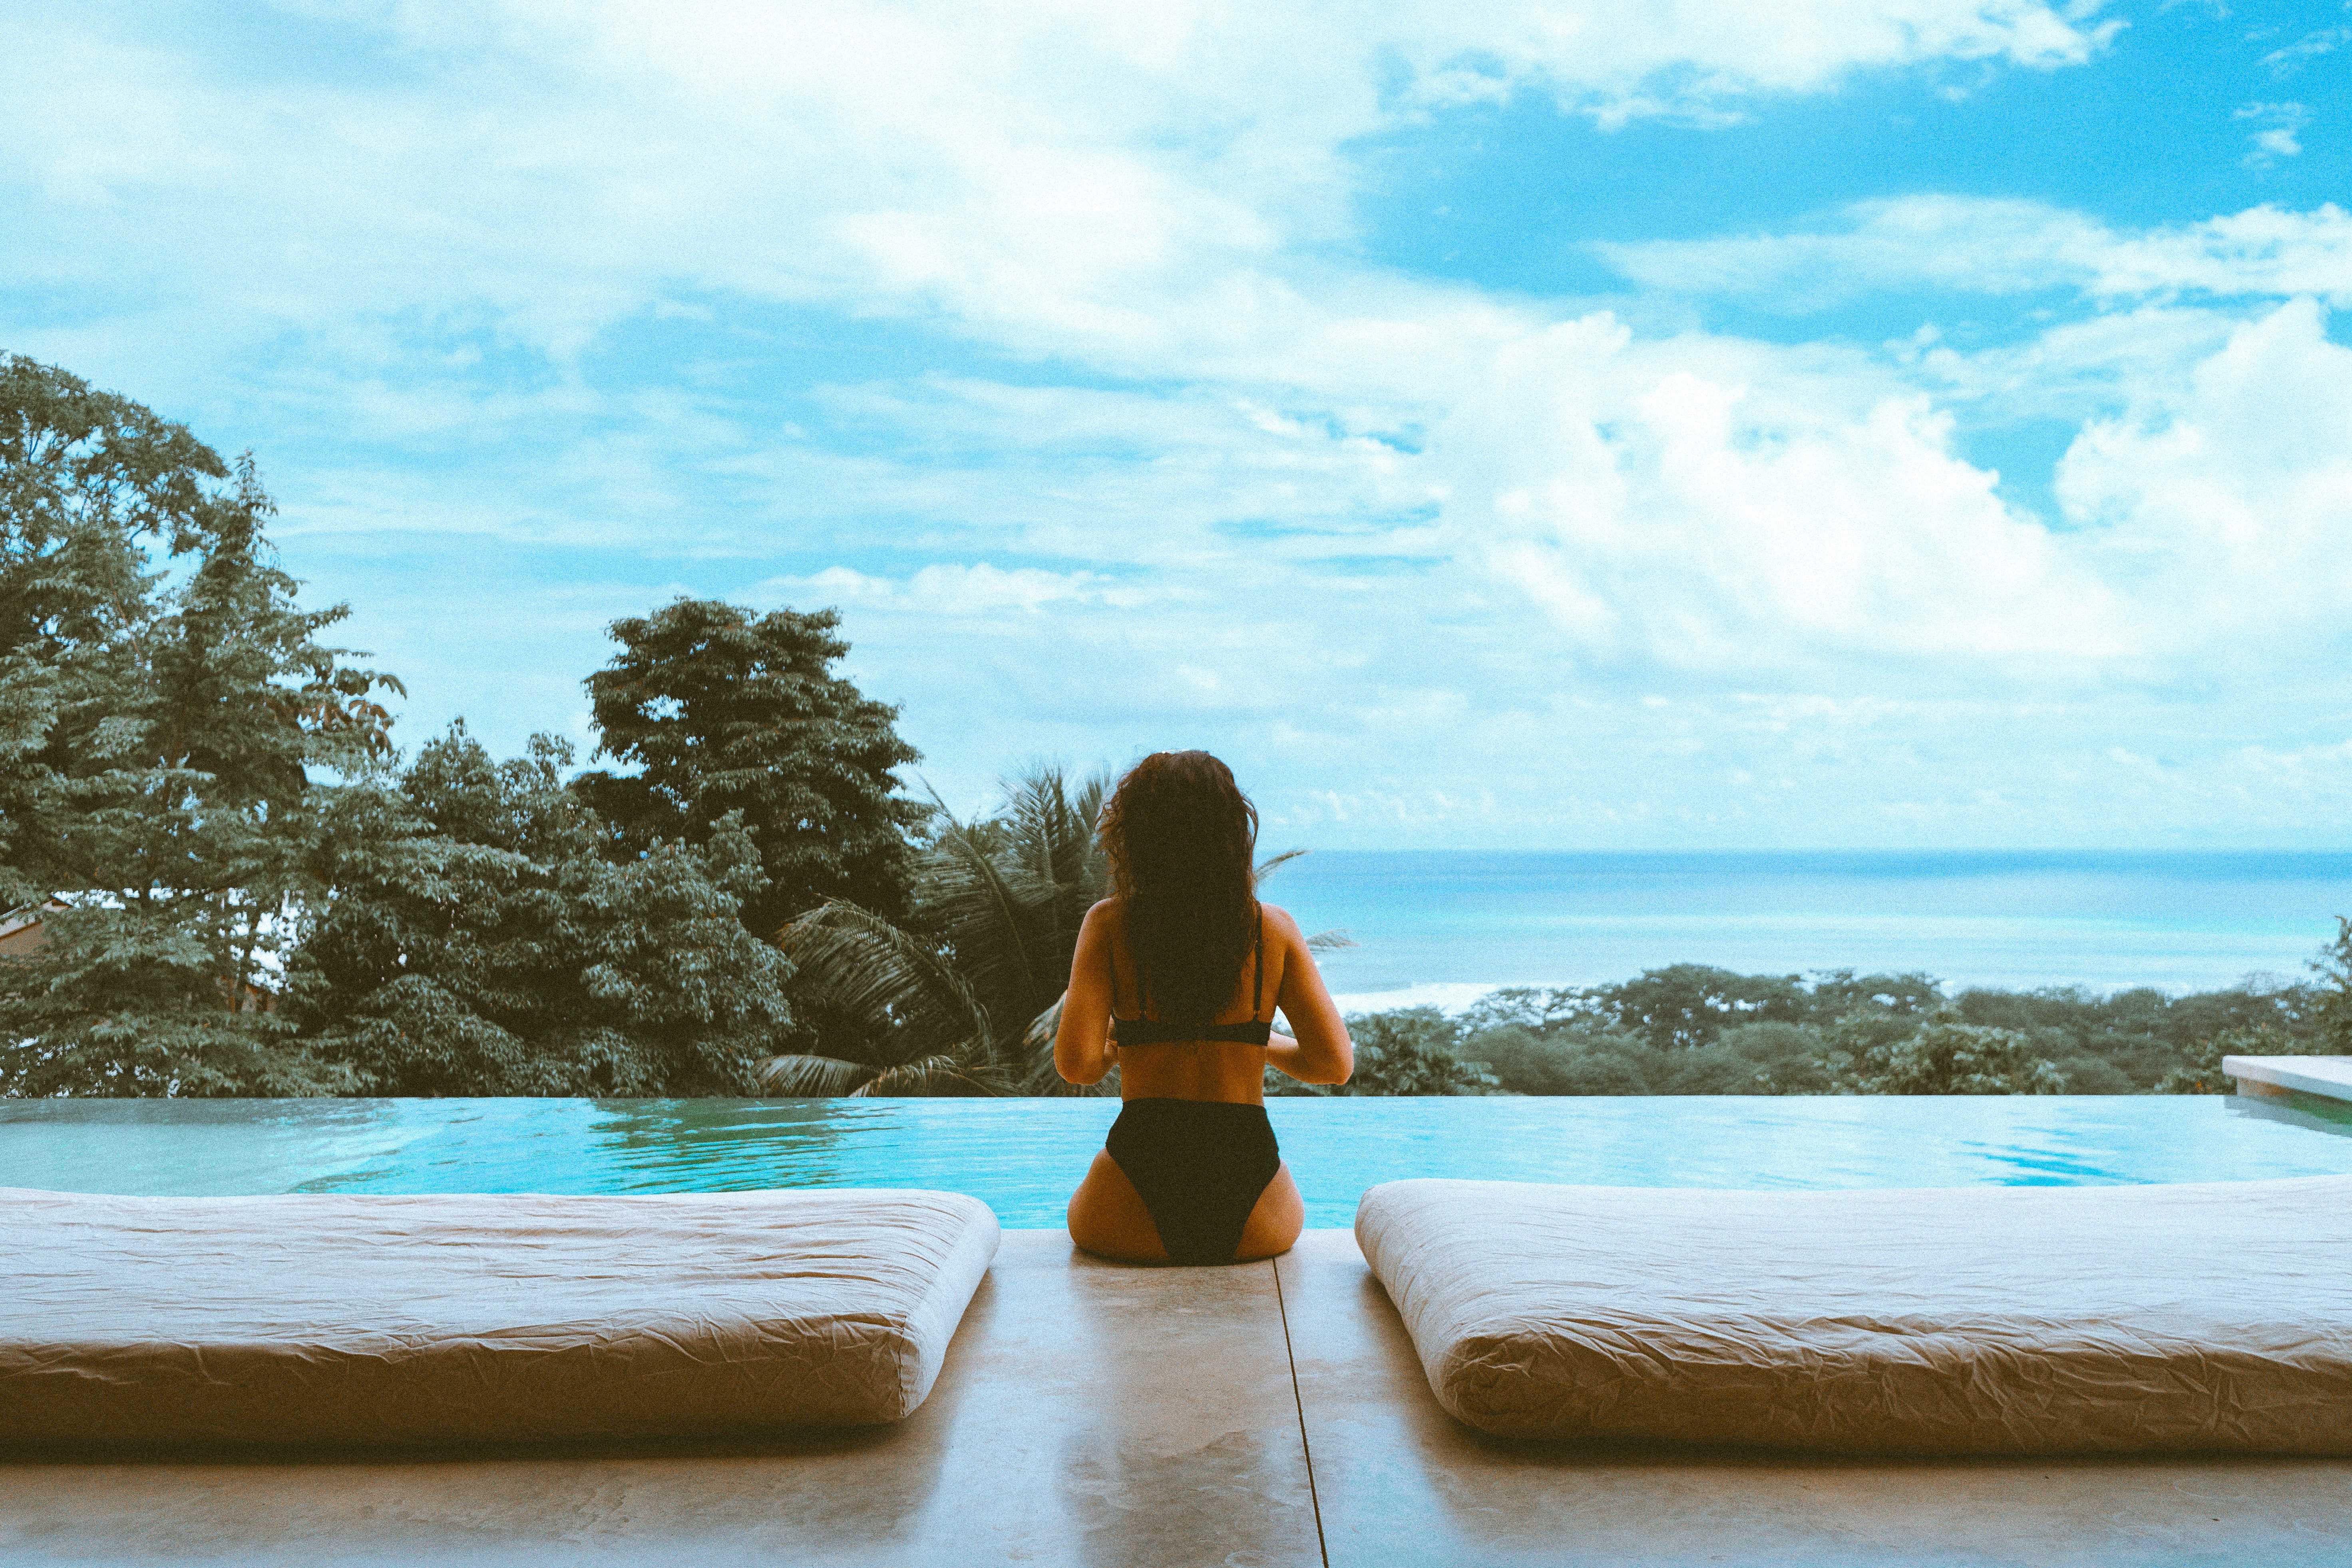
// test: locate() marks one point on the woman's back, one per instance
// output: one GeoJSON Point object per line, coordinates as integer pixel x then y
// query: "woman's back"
{"type": "Point", "coordinates": [1231, 1070]}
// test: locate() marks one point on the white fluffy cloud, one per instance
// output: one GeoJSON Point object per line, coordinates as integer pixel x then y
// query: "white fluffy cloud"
{"type": "Point", "coordinates": [1976, 244]}
{"type": "Point", "coordinates": [1419, 555]}
{"type": "Point", "coordinates": [1061, 174]}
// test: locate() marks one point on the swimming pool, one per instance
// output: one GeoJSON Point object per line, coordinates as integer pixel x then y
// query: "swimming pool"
{"type": "Point", "coordinates": [1023, 1156]}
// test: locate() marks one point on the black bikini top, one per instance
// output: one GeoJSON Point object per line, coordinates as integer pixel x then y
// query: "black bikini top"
{"type": "Point", "coordinates": [1153, 1032]}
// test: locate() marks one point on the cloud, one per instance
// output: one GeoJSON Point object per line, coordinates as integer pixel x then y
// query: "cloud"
{"type": "Point", "coordinates": [2226, 506]}
{"type": "Point", "coordinates": [1048, 172]}
{"type": "Point", "coordinates": [2294, 56]}
{"type": "Point", "coordinates": [977, 592]}
{"type": "Point", "coordinates": [1675, 511]}
{"type": "Point", "coordinates": [2279, 137]}
{"type": "Point", "coordinates": [1982, 246]}
{"type": "Point", "coordinates": [1159, 459]}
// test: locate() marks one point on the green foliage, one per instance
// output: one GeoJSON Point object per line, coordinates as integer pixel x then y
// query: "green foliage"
{"type": "Point", "coordinates": [1414, 1050]}
{"type": "Point", "coordinates": [1687, 1005]}
{"type": "Point", "coordinates": [1006, 896]}
{"type": "Point", "coordinates": [1562, 1061]}
{"type": "Point", "coordinates": [1752, 1059]}
{"type": "Point", "coordinates": [724, 712]}
{"type": "Point", "coordinates": [1868, 1033]}
{"type": "Point", "coordinates": [1877, 1055]}
{"type": "Point", "coordinates": [2331, 1014]}
{"type": "Point", "coordinates": [971, 984]}
{"type": "Point", "coordinates": [2202, 1072]}
{"type": "Point", "coordinates": [902, 1018]}
{"type": "Point", "coordinates": [1540, 1011]}
{"type": "Point", "coordinates": [118, 1004]}
{"type": "Point", "coordinates": [1749, 1058]}
{"type": "Point", "coordinates": [1836, 993]}
{"type": "Point", "coordinates": [166, 707]}
{"type": "Point", "coordinates": [480, 942]}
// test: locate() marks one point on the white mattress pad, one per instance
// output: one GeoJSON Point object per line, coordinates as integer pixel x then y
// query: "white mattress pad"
{"type": "Point", "coordinates": [463, 1318]}
{"type": "Point", "coordinates": [1966, 1321]}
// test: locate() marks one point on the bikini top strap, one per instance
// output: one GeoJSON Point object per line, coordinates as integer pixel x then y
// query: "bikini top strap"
{"type": "Point", "coordinates": [1257, 972]}
{"type": "Point", "coordinates": [1111, 956]}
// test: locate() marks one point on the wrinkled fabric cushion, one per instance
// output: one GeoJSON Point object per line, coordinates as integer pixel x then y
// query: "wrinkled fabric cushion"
{"type": "Point", "coordinates": [472, 1318]}
{"type": "Point", "coordinates": [1964, 1321]}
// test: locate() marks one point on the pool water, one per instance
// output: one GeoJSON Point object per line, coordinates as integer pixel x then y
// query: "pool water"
{"type": "Point", "coordinates": [1023, 1156]}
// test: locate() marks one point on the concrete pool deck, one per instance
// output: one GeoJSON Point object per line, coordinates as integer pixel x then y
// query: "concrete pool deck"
{"type": "Point", "coordinates": [1266, 1414]}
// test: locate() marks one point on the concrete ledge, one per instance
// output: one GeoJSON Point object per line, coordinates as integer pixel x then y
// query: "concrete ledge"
{"type": "Point", "coordinates": [2328, 1078]}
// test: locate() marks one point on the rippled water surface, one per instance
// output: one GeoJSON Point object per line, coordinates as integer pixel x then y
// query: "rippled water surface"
{"type": "Point", "coordinates": [1023, 1156]}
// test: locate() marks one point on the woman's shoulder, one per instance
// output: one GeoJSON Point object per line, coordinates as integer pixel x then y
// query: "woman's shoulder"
{"type": "Point", "coordinates": [1277, 918]}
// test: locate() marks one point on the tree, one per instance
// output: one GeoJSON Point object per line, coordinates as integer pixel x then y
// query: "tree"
{"type": "Point", "coordinates": [1411, 1051]}
{"type": "Point", "coordinates": [2331, 1014]}
{"type": "Point", "coordinates": [1537, 1010]}
{"type": "Point", "coordinates": [2324, 1011]}
{"type": "Point", "coordinates": [1687, 1005]}
{"type": "Point", "coordinates": [967, 994]}
{"type": "Point", "coordinates": [722, 711]}
{"type": "Point", "coordinates": [1838, 992]}
{"type": "Point", "coordinates": [2202, 1072]}
{"type": "Point", "coordinates": [156, 764]}
{"type": "Point", "coordinates": [1751, 1058]}
{"type": "Point", "coordinates": [1582, 1060]}
{"type": "Point", "coordinates": [480, 942]}
{"type": "Point", "coordinates": [1893, 1055]}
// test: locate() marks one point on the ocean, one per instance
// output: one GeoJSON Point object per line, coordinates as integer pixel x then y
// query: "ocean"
{"type": "Point", "coordinates": [1444, 927]}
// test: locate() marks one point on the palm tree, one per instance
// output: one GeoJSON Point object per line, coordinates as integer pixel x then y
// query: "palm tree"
{"type": "Point", "coordinates": [965, 998]}
{"type": "Point", "coordinates": [913, 1024]}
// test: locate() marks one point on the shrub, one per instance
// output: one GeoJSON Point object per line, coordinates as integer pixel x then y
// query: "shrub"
{"type": "Point", "coordinates": [1412, 1051]}
{"type": "Point", "coordinates": [1944, 1057]}
{"type": "Point", "coordinates": [1579, 1061]}
{"type": "Point", "coordinates": [1753, 1059]}
{"type": "Point", "coordinates": [2202, 1072]}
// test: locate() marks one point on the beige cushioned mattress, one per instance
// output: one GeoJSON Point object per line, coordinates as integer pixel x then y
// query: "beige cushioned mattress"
{"type": "Point", "coordinates": [472, 1318]}
{"type": "Point", "coordinates": [1963, 1320]}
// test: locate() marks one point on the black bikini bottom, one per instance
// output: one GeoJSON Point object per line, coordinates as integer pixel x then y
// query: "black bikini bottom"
{"type": "Point", "coordinates": [1200, 1165]}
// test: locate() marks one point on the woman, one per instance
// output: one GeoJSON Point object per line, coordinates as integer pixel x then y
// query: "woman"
{"type": "Point", "coordinates": [1176, 980]}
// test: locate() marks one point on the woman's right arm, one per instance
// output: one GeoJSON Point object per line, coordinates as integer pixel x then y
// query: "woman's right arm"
{"type": "Point", "coordinates": [1317, 1050]}
{"type": "Point", "coordinates": [1082, 1048]}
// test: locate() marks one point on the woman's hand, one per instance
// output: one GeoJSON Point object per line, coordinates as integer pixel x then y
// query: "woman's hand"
{"type": "Point", "coordinates": [1282, 1054]}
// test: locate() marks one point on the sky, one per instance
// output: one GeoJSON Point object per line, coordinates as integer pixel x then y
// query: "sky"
{"type": "Point", "coordinates": [1703, 424]}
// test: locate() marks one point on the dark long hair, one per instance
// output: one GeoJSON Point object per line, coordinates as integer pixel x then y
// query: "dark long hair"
{"type": "Point", "coordinates": [1180, 835]}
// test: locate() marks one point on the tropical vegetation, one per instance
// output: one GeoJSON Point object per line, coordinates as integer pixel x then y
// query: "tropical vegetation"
{"type": "Point", "coordinates": [1692, 1029]}
{"type": "Point", "coordinates": [240, 886]}
{"type": "Point", "coordinates": [966, 994]}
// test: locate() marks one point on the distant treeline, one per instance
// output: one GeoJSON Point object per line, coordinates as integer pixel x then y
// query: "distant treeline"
{"type": "Point", "coordinates": [1691, 1029]}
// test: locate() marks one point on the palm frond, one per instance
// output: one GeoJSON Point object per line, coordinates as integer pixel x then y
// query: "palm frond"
{"type": "Point", "coordinates": [850, 959]}
{"type": "Point", "coordinates": [813, 1076]}
{"type": "Point", "coordinates": [925, 1075]}
{"type": "Point", "coordinates": [1037, 1049]}
{"type": "Point", "coordinates": [1273, 863]}
{"type": "Point", "coordinates": [1328, 941]}
{"type": "Point", "coordinates": [1053, 864]}
{"type": "Point", "coordinates": [957, 844]}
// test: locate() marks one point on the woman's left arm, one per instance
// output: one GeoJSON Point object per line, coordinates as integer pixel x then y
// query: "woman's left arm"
{"type": "Point", "coordinates": [1082, 1051]}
